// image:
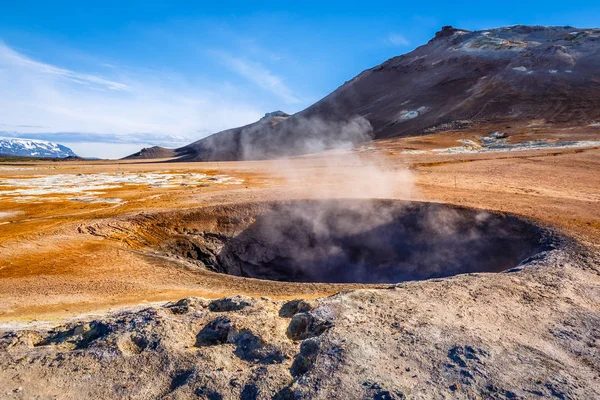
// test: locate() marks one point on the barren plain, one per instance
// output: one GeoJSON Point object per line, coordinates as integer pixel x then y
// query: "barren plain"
{"type": "Point", "coordinates": [69, 255]}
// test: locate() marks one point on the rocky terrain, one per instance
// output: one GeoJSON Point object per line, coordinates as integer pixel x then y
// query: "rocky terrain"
{"type": "Point", "coordinates": [531, 332]}
{"type": "Point", "coordinates": [72, 279]}
{"type": "Point", "coordinates": [504, 76]}
{"type": "Point", "coordinates": [459, 264]}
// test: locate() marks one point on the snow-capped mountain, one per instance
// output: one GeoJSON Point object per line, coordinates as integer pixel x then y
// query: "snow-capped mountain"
{"type": "Point", "coordinates": [33, 148]}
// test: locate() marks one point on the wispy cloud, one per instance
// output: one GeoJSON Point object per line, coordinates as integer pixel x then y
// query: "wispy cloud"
{"type": "Point", "coordinates": [11, 57]}
{"type": "Point", "coordinates": [398, 39]}
{"type": "Point", "coordinates": [23, 126]}
{"type": "Point", "coordinates": [259, 75]}
{"type": "Point", "coordinates": [131, 138]}
{"type": "Point", "coordinates": [38, 97]}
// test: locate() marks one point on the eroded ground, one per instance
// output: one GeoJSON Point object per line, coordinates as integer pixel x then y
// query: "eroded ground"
{"type": "Point", "coordinates": [51, 266]}
{"type": "Point", "coordinates": [82, 257]}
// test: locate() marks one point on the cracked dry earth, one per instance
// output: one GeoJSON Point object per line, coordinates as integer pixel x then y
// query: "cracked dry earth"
{"type": "Point", "coordinates": [532, 331]}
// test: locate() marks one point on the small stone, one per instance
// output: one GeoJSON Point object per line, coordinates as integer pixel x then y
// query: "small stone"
{"type": "Point", "coordinates": [81, 329]}
{"type": "Point", "coordinates": [301, 365]}
{"type": "Point", "coordinates": [292, 307]}
{"type": "Point", "coordinates": [305, 325]}
{"type": "Point", "coordinates": [215, 332]}
{"type": "Point", "coordinates": [229, 304]}
{"type": "Point", "coordinates": [252, 348]}
{"type": "Point", "coordinates": [309, 349]}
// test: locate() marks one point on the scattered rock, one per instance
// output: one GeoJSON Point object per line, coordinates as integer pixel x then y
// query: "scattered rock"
{"type": "Point", "coordinates": [25, 339]}
{"type": "Point", "coordinates": [230, 304]}
{"type": "Point", "coordinates": [250, 392]}
{"type": "Point", "coordinates": [292, 307]}
{"type": "Point", "coordinates": [184, 306]}
{"type": "Point", "coordinates": [215, 332]}
{"type": "Point", "coordinates": [309, 349]}
{"type": "Point", "coordinates": [81, 336]}
{"type": "Point", "coordinates": [436, 338]}
{"type": "Point", "coordinates": [376, 392]}
{"type": "Point", "coordinates": [304, 325]}
{"type": "Point", "coordinates": [250, 347]}
{"type": "Point", "coordinates": [285, 394]}
{"type": "Point", "coordinates": [207, 394]}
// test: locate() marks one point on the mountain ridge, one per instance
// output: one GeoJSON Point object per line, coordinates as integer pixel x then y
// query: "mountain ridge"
{"type": "Point", "coordinates": [33, 148]}
{"type": "Point", "coordinates": [459, 78]}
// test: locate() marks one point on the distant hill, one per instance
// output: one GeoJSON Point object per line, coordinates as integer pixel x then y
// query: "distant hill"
{"type": "Point", "coordinates": [229, 145]}
{"type": "Point", "coordinates": [33, 148]}
{"type": "Point", "coordinates": [460, 78]}
{"type": "Point", "coordinates": [210, 146]}
{"type": "Point", "coordinates": [151, 152]}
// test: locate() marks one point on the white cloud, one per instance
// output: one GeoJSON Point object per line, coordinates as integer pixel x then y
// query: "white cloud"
{"type": "Point", "coordinates": [130, 138]}
{"type": "Point", "coordinates": [105, 150]}
{"type": "Point", "coordinates": [260, 75]}
{"type": "Point", "coordinates": [38, 97]}
{"type": "Point", "coordinates": [398, 40]}
{"type": "Point", "coordinates": [11, 57]}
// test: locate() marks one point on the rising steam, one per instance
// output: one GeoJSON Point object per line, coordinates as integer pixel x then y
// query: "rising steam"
{"type": "Point", "coordinates": [339, 230]}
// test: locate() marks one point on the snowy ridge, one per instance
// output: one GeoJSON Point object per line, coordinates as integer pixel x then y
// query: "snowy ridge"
{"type": "Point", "coordinates": [33, 148]}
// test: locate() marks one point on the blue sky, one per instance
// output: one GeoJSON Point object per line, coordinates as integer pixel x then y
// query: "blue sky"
{"type": "Point", "coordinates": [127, 76]}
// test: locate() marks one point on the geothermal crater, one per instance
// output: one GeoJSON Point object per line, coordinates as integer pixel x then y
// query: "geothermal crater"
{"type": "Point", "coordinates": [347, 241]}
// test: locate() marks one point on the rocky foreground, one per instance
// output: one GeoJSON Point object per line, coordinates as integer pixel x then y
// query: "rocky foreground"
{"type": "Point", "coordinates": [533, 331]}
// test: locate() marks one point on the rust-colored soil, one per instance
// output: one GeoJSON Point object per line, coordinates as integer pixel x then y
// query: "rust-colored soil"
{"type": "Point", "coordinates": [50, 267]}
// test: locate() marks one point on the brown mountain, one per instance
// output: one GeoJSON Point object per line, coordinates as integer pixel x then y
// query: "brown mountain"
{"type": "Point", "coordinates": [151, 153]}
{"type": "Point", "coordinates": [513, 74]}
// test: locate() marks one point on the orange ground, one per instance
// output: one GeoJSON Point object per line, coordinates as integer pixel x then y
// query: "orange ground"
{"type": "Point", "coordinates": [49, 269]}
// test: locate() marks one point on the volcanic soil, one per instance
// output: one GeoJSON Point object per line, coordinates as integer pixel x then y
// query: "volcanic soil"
{"type": "Point", "coordinates": [87, 308]}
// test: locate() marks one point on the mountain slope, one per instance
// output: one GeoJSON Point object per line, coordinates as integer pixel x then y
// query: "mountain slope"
{"type": "Point", "coordinates": [33, 148]}
{"type": "Point", "coordinates": [222, 146]}
{"type": "Point", "coordinates": [459, 78]}
{"type": "Point", "coordinates": [507, 74]}
{"type": "Point", "coordinates": [229, 145]}
{"type": "Point", "coordinates": [153, 152]}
